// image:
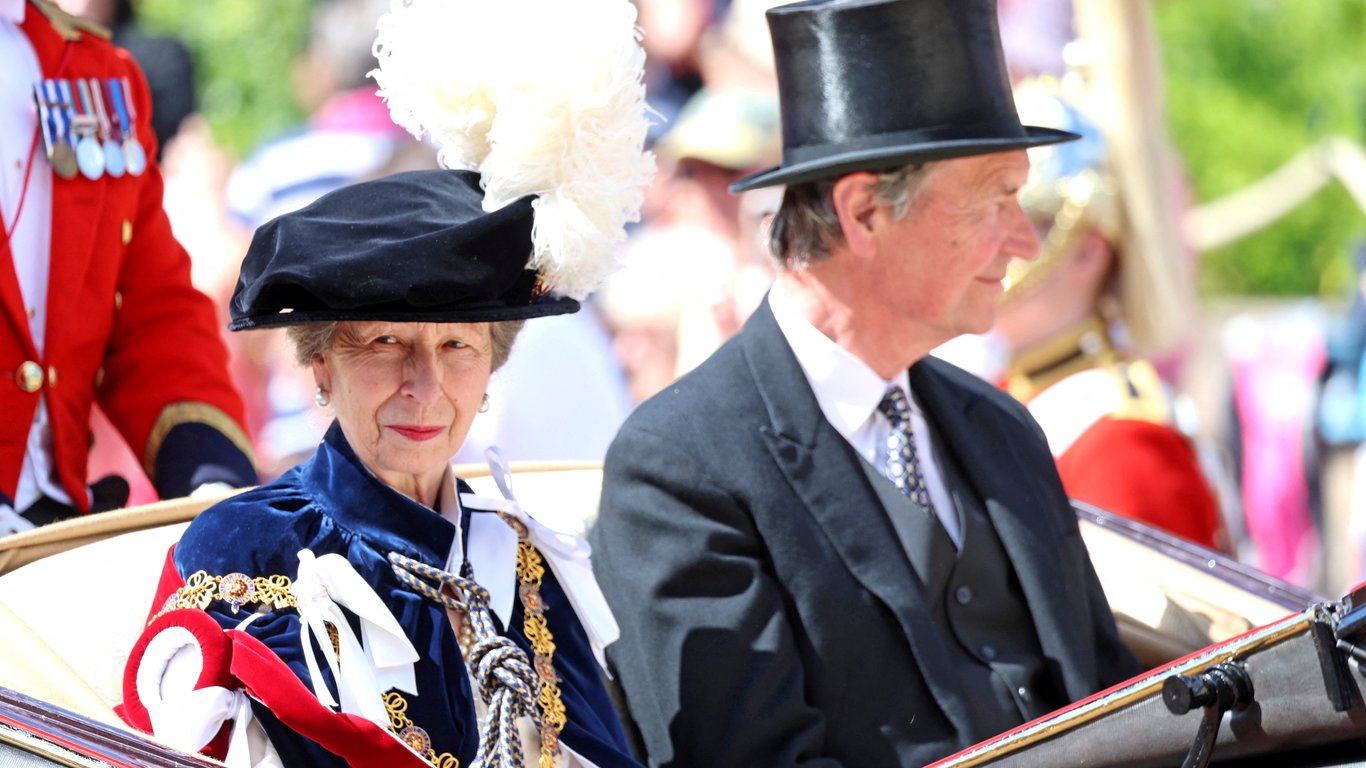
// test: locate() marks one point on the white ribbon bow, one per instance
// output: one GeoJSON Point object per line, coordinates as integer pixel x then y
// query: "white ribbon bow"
{"type": "Point", "coordinates": [324, 586]}
{"type": "Point", "coordinates": [567, 554]}
{"type": "Point", "coordinates": [188, 721]}
{"type": "Point", "coordinates": [183, 716]}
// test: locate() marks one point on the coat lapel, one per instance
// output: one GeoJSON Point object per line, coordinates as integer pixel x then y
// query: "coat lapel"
{"type": "Point", "coordinates": [1014, 502]}
{"type": "Point", "coordinates": [76, 203]}
{"type": "Point", "coordinates": [826, 475]}
{"type": "Point", "coordinates": [12, 299]}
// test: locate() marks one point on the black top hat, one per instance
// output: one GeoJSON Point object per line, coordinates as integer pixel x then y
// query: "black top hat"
{"type": "Point", "coordinates": [868, 85]}
{"type": "Point", "coordinates": [413, 247]}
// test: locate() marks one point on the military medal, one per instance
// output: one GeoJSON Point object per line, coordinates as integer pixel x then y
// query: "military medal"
{"type": "Point", "coordinates": [89, 152]}
{"type": "Point", "coordinates": [133, 152]}
{"type": "Point", "coordinates": [113, 153]}
{"type": "Point", "coordinates": [56, 138]}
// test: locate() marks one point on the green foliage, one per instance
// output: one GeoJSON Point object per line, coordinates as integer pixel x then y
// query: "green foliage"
{"type": "Point", "coordinates": [1250, 83]}
{"type": "Point", "coordinates": [243, 50]}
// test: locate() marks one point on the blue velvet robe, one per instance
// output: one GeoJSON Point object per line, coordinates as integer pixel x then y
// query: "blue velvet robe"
{"type": "Point", "coordinates": [333, 504]}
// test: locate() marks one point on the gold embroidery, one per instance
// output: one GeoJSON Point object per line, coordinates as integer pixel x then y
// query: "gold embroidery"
{"type": "Point", "coordinates": [334, 636]}
{"type": "Point", "coordinates": [235, 589]}
{"type": "Point", "coordinates": [530, 570]}
{"type": "Point", "coordinates": [409, 733]}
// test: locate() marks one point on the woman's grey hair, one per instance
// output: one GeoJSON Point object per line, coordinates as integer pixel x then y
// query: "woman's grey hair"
{"type": "Point", "coordinates": [806, 223]}
{"type": "Point", "coordinates": [313, 340]}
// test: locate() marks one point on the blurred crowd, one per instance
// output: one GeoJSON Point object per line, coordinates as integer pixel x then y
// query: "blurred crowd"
{"type": "Point", "coordinates": [1276, 449]}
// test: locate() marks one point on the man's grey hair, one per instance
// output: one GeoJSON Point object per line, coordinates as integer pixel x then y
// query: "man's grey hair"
{"type": "Point", "coordinates": [806, 223]}
{"type": "Point", "coordinates": [314, 340]}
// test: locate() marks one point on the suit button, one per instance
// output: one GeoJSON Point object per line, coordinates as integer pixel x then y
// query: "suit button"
{"type": "Point", "coordinates": [1024, 694]}
{"type": "Point", "coordinates": [963, 595]}
{"type": "Point", "coordinates": [989, 652]}
{"type": "Point", "coordinates": [51, 376]}
{"type": "Point", "coordinates": [29, 377]}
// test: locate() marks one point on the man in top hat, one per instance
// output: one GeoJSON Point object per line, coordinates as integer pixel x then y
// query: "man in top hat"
{"type": "Point", "coordinates": [823, 546]}
{"type": "Point", "coordinates": [95, 297]}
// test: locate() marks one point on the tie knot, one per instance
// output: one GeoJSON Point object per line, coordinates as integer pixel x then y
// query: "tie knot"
{"type": "Point", "coordinates": [896, 406]}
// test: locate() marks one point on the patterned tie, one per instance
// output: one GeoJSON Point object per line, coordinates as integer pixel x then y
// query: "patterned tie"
{"type": "Point", "coordinates": [903, 463]}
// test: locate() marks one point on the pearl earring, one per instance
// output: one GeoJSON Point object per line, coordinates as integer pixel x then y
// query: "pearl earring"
{"type": "Point", "coordinates": [484, 404]}
{"type": "Point", "coordinates": [321, 397]}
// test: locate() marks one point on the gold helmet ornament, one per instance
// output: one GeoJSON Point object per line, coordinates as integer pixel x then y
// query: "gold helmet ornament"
{"type": "Point", "coordinates": [1073, 189]}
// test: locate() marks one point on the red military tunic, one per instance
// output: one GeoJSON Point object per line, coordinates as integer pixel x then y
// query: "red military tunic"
{"type": "Point", "coordinates": [125, 328]}
{"type": "Point", "coordinates": [1108, 424]}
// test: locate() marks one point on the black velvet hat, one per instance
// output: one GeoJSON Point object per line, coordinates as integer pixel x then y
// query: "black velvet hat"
{"type": "Point", "coordinates": [871, 85]}
{"type": "Point", "coordinates": [413, 247]}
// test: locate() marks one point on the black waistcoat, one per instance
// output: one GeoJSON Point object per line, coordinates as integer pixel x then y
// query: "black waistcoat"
{"type": "Point", "coordinates": [978, 606]}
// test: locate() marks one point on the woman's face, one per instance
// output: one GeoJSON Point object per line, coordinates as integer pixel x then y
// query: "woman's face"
{"type": "Point", "coordinates": [405, 394]}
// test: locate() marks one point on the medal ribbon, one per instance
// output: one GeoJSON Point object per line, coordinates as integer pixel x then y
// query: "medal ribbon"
{"type": "Point", "coordinates": [120, 108]}
{"type": "Point", "coordinates": [114, 164]}
{"type": "Point", "coordinates": [123, 101]}
{"type": "Point", "coordinates": [132, 108]}
{"type": "Point", "coordinates": [69, 99]}
{"type": "Point", "coordinates": [45, 124]}
{"type": "Point", "coordinates": [85, 111]}
{"type": "Point", "coordinates": [97, 98]}
{"type": "Point", "coordinates": [57, 108]}
{"type": "Point", "coordinates": [89, 150]}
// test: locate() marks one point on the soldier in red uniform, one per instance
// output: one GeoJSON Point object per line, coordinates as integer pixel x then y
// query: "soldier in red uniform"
{"type": "Point", "coordinates": [1076, 323]}
{"type": "Point", "coordinates": [96, 304]}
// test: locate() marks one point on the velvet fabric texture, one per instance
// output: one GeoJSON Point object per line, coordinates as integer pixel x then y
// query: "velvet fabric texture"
{"type": "Point", "coordinates": [412, 247]}
{"type": "Point", "coordinates": [333, 504]}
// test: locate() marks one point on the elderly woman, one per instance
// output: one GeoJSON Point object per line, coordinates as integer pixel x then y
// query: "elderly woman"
{"type": "Point", "coordinates": [366, 607]}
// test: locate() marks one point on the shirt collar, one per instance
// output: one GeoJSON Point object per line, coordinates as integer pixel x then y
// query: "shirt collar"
{"type": "Point", "coordinates": [13, 10]}
{"type": "Point", "coordinates": [846, 388]}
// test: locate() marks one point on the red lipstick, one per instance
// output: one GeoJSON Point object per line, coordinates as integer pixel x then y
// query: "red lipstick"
{"type": "Point", "coordinates": [415, 432]}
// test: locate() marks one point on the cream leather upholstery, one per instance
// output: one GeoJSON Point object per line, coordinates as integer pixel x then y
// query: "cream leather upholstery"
{"type": "Point", "coordinates": [76, 594]}
{"type": "Point", "coordinates": [69, 616]}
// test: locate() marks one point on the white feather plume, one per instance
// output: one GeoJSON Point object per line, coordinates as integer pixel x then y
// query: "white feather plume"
{"type": "Point", "coordinates": [541, 97]}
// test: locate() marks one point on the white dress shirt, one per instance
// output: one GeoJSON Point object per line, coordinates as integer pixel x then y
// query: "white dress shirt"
{"type": "Point", "coordinates": [30, 236]}
{"type": "Point", "coordinates": [849, 391]}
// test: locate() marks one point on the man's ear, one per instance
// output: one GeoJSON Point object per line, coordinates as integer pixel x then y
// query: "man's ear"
{"type": "Point", "coordinates": [856, 207]}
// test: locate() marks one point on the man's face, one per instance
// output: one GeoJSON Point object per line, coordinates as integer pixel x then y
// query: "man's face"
{"type": "Point", "coordinates": [939, 268]}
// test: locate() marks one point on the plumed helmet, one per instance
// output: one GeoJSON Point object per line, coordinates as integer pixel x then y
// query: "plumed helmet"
{"type": "Point", "coordinates": [1074, 189]}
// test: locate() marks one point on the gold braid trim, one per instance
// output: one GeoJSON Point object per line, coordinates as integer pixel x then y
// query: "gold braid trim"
{"type": "Point", "coordinates": [1146, 397]}
{"type": "Point", "coordinates": [188, 412]}
{"type": "Point", "coordinates": [417, 739]}
{"type": "Point", "coordinates": [530, 570]}
{"type": "Point", "coordinates": [1066, 230]}
{"type": "Point", "coordinates": [1086, 346]}
{"type": "Point", "coordinates": [1083, 346]}
{"type": "Point", "coordinates": [235, 589]}
{"type": "Point", "coordinates": [67, 26]}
